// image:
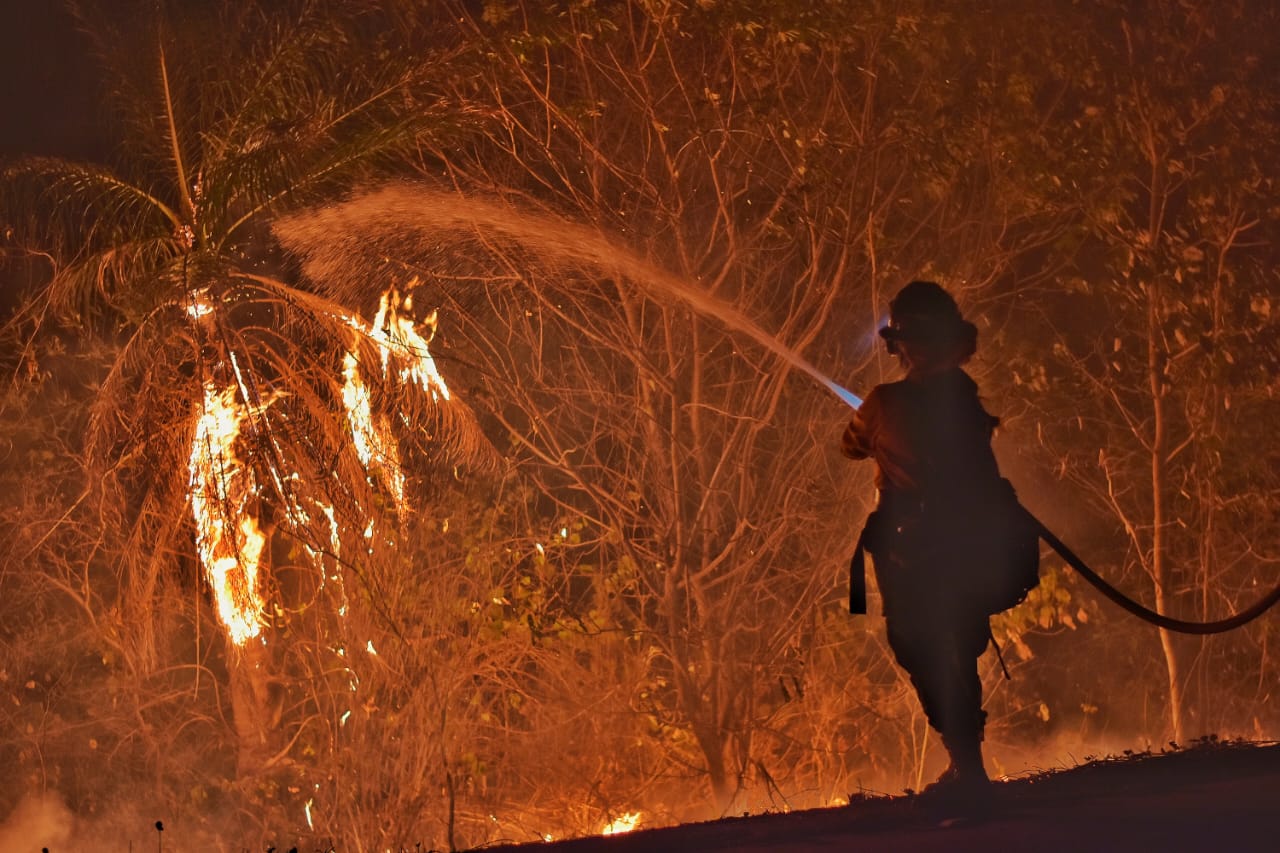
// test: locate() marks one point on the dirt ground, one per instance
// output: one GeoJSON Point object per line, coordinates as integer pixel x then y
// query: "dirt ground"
{"type": "Point", "coordinates": [1214, 797]}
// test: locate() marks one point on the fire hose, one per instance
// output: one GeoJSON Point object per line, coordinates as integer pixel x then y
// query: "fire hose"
{"type": "Point", "coordinates": [1146, 614]}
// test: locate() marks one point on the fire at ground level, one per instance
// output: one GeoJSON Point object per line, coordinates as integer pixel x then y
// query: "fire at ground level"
{"type": "Point", "coordinates": [1211, 797]}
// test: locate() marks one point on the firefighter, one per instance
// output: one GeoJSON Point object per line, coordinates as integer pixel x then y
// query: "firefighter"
{"type": "Point", "coordinates": [931, 537]}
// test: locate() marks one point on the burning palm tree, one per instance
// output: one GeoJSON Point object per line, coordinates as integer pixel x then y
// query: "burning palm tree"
{"type": "Point", "coordinates": [245, 411]}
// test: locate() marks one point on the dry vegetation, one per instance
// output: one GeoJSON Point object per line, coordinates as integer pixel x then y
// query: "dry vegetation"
{"type": "Point", "coordinates": [614, 582]}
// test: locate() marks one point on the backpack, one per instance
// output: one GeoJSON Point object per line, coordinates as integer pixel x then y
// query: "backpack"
{"type": "Point", "coordinates": [992, 541]}
{"type": "Point", "coordinates": [1003, 541]}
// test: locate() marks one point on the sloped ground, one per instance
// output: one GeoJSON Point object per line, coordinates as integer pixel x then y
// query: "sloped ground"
{"type": "Point", "coordinates": [1213, 797]}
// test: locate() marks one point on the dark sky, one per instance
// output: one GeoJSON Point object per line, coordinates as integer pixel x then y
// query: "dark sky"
{"type": "Point", "coordinates": [48, 88]}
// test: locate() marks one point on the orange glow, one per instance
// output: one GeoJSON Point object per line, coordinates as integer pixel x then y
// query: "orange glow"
{"type": "Point", "coordinates": [228, 538]}
{"type": "Point", "coordinates": [199, 307]}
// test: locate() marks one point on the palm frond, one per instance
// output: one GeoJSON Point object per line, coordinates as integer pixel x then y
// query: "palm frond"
{"type": "Point", "coordinates": [67, 204]}
{"type": "Point", "coordinates": [313, 333]}
{"type": "Point", "coordinates": [122, 37]}
{"type": "Point", "coordinates": [179, 160]}
{"type": "Point", "coordinates": [124, 280]}
{"type": "Point", "coordinates": [272, 180]}
{"type": "Point", "coordinates": [282, 109]}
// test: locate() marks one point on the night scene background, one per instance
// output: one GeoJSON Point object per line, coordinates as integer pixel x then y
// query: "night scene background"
{"type": "Point", "coordinates": [417, 423]}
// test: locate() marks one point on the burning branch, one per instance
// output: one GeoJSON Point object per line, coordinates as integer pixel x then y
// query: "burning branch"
{"type": "Point", "coordinates": [393, 336]}
{"type": "Point", "coordinates": [228, 537]}
{"type": "Point", "coordinates": [222, 487]}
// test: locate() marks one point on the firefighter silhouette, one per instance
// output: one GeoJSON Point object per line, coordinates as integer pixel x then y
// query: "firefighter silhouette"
{"type": "Point", "coordinates": [948, 542]}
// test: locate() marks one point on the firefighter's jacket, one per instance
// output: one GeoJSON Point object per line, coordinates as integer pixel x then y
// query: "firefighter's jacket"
{"type": "Point", "coordinates": [930, 437]}
{"type": "Point", "coordinates": [944, 511]}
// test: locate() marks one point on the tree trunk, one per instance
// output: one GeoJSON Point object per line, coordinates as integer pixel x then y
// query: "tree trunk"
{"type": "Point", "coordinates": [1159, 566]}
{"type": "Point", "coordinates": [252, 711]}
{"type": "Point", "coordinates": [712, 743]}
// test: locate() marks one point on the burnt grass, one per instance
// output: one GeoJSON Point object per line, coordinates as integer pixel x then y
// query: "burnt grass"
{"type": "Point", "coordinates": [1214, 795]}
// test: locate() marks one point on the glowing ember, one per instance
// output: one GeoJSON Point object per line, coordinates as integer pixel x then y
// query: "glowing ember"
{"type": "Point", "coordinates": [624, 823]}
{"type": "Point", "coordinates": [228, 538]}
{"type": "Point", "coordinates": [199, 306]}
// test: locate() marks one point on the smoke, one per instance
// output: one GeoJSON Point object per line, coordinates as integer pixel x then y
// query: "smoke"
{"type": "Point", "coordinates": [39, 820]}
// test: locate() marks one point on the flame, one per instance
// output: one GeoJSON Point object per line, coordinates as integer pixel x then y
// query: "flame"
{"type": "Point", "coordinates": [374, 443]}
{"type": "Point", "coordinates": [221, 487]}
{"type": "Point", "coordinates": [396, 333]}
{"type": "Point", "coordinates": [228, 538]}
{"type": "Point", "coordinates": [621, 824]}
{"type": "Point", "coordinates": [199, 308]}
{"type": "Point", "coordinates": [393, 334]}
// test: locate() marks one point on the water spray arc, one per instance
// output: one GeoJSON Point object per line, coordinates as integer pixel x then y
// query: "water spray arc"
{"type": "Point", "coordinates": [328, 240]}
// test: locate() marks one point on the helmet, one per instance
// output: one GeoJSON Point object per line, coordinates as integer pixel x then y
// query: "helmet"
{"type": "Point", "coordinates": [923, 312]}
